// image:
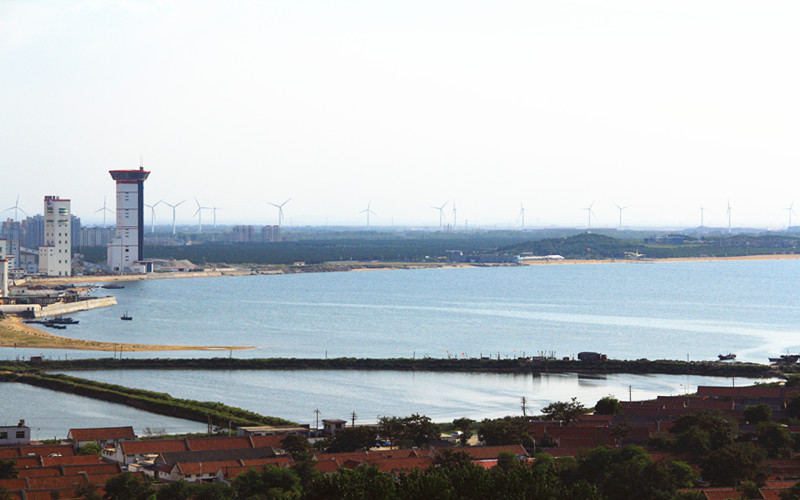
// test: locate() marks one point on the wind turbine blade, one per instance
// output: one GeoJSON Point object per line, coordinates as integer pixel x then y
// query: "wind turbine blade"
{"type": "Point", "coordinates": [285, 202]}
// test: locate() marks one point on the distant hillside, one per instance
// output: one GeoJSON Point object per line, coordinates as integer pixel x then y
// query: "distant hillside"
{"type": "Point", "coordinates": [579, 246]}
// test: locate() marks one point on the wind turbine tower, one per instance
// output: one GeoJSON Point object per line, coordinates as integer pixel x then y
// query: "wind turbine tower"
{"type": "Point", "coordinates": [199, 214]}
{"type": "Point", "coordinates": [589, 214]}
{"type": "Point", "coordinates": [127, 246]}
{"type": "Point", "coordinates": [702, 210]}
{"type": "Point", "coordinates": [16, 209]}
{"type": "Point", "coordinates": [173, 213]}
{"type": "Point", "coordinates": [214, 212]}
{"type": "Point", "coordinates": [454, 215]}
{"type": "Point", "coordinates": [104, 209]}
{"type": "Point", "coordinates": [368, 211]}
{"type": "Point", "coordinates": [620, 213]}
{"type": "Point", "coordinates": [153, 215]}
{"type": "Point", "coordinates": [522, 214]}
{"type": "Point", "coordinates": [280, 210]}
{"type": "Point", "coordinates": [729, 216]}
{"type": "Point", "coordinates": [789, 210]}
{"type": "Point", "coordinates": [441, 214]}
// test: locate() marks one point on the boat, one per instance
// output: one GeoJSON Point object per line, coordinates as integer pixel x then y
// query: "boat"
{"type": "Point", "coordinates": [56, 326]}
{"type": "Point", "coordinates": [64, 321]}
{"type": "Point", "coordinates": [112, 286]}
{"type": "Point", "coordinates": [126, 317]}
{"type": "Point", "coordinates": [726, 357]}
{"type": "Point", "coordinates": [786, 359]}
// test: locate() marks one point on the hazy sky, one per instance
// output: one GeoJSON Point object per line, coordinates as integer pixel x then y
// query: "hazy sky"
{"type": "Point", "coordinates": [665, 106]}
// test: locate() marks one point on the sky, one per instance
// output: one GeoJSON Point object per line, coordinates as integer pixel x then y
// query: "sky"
{"type": "Point", "coordinates": [661, 106]}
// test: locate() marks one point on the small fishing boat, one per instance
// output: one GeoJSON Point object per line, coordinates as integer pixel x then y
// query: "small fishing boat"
{"type": "Point", "coordinates": [126, 317]}
{"type": "Point", "coordinates": [726, 357]}
{"type": "Point", "coordinates": [112, 286]}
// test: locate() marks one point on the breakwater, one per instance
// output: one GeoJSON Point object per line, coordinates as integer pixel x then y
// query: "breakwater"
{"type": "Point", "coordinates": [671, 367]}
{"type": "Point", "coordinates": [71, 307]}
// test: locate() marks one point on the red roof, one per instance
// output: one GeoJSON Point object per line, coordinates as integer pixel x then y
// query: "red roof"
{"type": "Point", "coordinates": [271, 441]}
{"type": "Point", "coordinates": [152, 447]}
{"type": "Point", "coordinates": [39, 483]}
{"type": "Point", "coordinates": [19, 483]}
{"type": "Point", "coordinates": [74, 460]}
{"type": "Point", "coordinates": [491, 452]}
{"type": "Point", "coordinates": [39, 471]}
{"type": "Point", "coordinates": [101, 433]}
{"type": "Point", "coordinates": [44, 450]}
{"type": "Point", "coordinates": [224, 443]}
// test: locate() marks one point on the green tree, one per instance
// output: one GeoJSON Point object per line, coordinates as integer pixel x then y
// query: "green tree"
{"type": "Point", "coordinates": [178, 490]}
{"type": "Point", "coordinates": [352, 439]}
{"type": "Point", "coordinates": [90, 449]}
{"type": "Point", "coordinates": [419, 430]}
{"type": "Point", "coordinates": [447, 457]}
{"type": "Point", "coordinates": [702, 432]}
{"type": "Point", "coordinates": [732, 464]}
{"type": "Point", "coordinates": [568, 411]}
{"type": "Point", "coordinates": [126, 486]}
{"type": "Point", "coordinates": [758, 413]}
{"type": "Point", "coordinates": [608, 406]}
{"type": "Point", "coordinates": [391, 429]}
{"type": "Point", "coordinates": [464, 425]}
{"type": "Point", "coordinates": [793, 406]}
{"type": "Point", "coordinates": [364, 482]}
{"type": "Point", "coordinates": [775, 439]}
{"type": "Point", "coordinates": [212, 491]}
{"type": "Point", "coordinates": [297, 447]}
{"type": "Point", "coordinates": [87, 492]}
{"type": "Point", "coordinates": [8, 469]}
{"type": "Point", "coordinates": [506, 430]}
{"type": "Point", "coordinates": [272, 481]}
{"type": "Point", "coordinates": [792, 493]}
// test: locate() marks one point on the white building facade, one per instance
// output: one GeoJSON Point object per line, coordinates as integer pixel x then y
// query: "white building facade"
{"type": "Point", "coordinates": [127, 246]}
{"type": "Point", "coordinates": [55, 256]}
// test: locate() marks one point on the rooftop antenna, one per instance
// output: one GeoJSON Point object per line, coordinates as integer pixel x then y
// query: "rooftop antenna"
{"type": "Point", "coordinates": [522, 214]}
{"type": "Point", "coordinates": [368, 211]}
{"type": "Point", "coordinates": [104, 209]}
{"type": "Point", "coordinates": [729, 216]}
{"type": "Point", "coordinates": [153, 215]}
{"type": "Point", "coordinates": [199, 214]}
{"type": "Point", "coordinates": [441, 213]}
{"type": "Point", "coordinates": [589, 214]}
{"type": "Point", "coordinates": [280, 210]}
{"type": "Point", "coordinates": [790, 210]}
{"type": "Point", "coordinates": [16, 209]}
{"type": "Point", "coordinates": [173, 213]}
{"type": "Point", "coordinates": [620, 213]}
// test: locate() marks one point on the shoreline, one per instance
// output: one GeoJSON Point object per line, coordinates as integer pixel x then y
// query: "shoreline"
{"type": "Point", "coordinates": [15, 333]}
{"type": "Point", "coordinates": [387, 266]}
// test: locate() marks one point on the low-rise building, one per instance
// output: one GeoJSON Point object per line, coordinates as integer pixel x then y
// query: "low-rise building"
{"type": "Point", "coordinates": [19, 434]}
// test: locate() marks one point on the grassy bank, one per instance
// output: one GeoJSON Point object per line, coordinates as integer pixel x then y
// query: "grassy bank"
{"type": "Point", "coordinates": [672, 367]}
{"type": "Point", "coordinates": [153, 402]}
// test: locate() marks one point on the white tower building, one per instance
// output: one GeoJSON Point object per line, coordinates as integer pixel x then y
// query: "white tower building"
{"type": "Point", "coordinates": [55, 257]}
{"type": "Point", "coordinates": [126, 248]}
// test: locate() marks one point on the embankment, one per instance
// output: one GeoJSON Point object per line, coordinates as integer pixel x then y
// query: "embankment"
{"type": "Point", "coordinates": [153, 402]}
{"type": "Point", "coordinates": [672, 367]}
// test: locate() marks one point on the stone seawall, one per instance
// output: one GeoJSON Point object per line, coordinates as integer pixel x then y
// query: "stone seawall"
{"type": "Point", "coordinates": [81, 305]}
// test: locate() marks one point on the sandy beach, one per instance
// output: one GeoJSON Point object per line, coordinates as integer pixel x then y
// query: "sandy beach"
{"type": "Point", "coordinates": [15, 333]}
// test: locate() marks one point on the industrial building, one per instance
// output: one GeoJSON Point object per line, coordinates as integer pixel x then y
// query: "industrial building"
{"type": "Point", "coordinates": [55, 256]}
{"type": "Point", "coordinates": [126, 248]}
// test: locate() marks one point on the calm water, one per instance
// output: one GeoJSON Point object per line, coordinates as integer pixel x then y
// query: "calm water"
{"type": "Point", "coordinates": [294, 394]}
{"type": "Point", "coordinates": [52, 414]}
{"type": "Point", "coordinates": [658, 310]}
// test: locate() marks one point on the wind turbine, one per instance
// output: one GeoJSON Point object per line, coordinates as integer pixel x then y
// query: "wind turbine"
{"type": "Point", "coordinates": [702, 210]}
{"type": "Point", "coordinates": [173, 213]}
{"type": "Point", "coordinates": [214, 212]}
{"type": "Point", "coordinates": [620, 213]}
{"type": "Point", "coordinates": [522, 214]}
{"type": "Point", "coordinates": [790, 210]}
{"type": "Point", "coordinates": [16, 209]}
{"type": "Point", "coordinates": [368, 211]}
{"type": "Point", "coordinates": [589, 214]}
{"type": "Point", "coordinates": [441, 213]}
{"type": "Point", "coordinates": [153, 215]}
{"type": "Point", "coordinates": [454, 215]}
{"type": "Point", "coordinates": [199, 214]}
{"type": "Point", "coordinates": [280, 210]}
{"type": "Point", "coordinates": [104, 209]}
{"type": "Point", "coordinates": [728, 212]}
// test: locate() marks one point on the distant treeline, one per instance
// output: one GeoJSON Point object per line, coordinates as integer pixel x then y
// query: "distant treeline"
{"type": "Point", "coordinates": [710, 368]}
{"type": "Point", "coordinates": [420, 246]}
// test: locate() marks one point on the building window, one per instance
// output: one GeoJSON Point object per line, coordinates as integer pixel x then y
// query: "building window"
{"type": "Point", "coordinates": [20, 434]}
{"type": "Point", "coordinates": [3, 435]}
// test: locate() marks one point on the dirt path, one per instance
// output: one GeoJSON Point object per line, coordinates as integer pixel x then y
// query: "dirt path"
{"type": "Point", "coordinates": [15, 333]}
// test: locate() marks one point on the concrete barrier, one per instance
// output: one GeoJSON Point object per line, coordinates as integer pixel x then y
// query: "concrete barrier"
{"type": "Point", "coordinates": [19, 308]}
{"type": "Point", "coordinates": [81, 305]}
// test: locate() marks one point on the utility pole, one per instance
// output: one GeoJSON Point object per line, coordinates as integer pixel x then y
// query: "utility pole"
{"type": "Point", "coordinates": [524, 407]}
{"type": "Point", "coordinates": [353, 419]}
{"type": "Point", "coordinates": [316, 428]}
